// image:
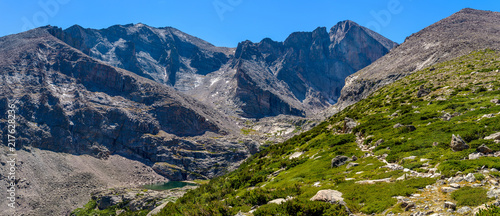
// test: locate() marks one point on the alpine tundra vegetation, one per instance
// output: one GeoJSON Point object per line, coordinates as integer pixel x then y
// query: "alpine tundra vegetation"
{"type": "Point", "coordinates": [400, 154]}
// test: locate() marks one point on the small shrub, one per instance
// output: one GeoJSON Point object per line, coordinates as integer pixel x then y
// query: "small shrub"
{"type": "Point", "coordinates": [490, 211]}
{"type": "Point", "coordinates": [413, 166]}
{"type": "Point", "coordinates": [375, 198]}
{"type": "Point", "coordinates": [301, 208]}
{"type": "Point", "coordinates": [468, 196]}
{"type": "Point", "coordinates": [479, 176]}
{"type": "Point", "coordinates": [495, 174]}
{"type": "Point", "coordinates": [342, 139]}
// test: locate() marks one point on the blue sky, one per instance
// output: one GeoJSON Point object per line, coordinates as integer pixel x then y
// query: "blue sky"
{"type": "Point", "coordinates": [227, 22]}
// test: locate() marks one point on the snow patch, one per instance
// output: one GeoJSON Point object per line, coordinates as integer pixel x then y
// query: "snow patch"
{"type": "Point", "coordinates": [213, 81]}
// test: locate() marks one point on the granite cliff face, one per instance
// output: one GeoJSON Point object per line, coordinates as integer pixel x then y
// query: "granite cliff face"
{"type": "Point", "coordinates": [465, 31]}
{"type": "Point", "coordinates": [300, 76]}
{"type": "Point", "coordinates": [165, 55]}
{"type": "Point", "coordinates": [68, 102]}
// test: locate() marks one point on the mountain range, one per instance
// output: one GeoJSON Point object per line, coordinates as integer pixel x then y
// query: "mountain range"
{"type": "Point", "coordinates": [169, 106]}
{"type": "Point", "coordinates": [163, 98]}
{"type": "Point", "coordinates": [300, 76]}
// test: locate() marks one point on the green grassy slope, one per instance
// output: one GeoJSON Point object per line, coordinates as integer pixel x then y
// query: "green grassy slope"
{"type": "Point", "coordinates": [463, 88]}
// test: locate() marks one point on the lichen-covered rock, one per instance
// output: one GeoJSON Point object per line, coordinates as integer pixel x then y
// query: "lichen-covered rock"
{"type": "Point", "coordinates": [349, 125]}
{"type": "Point", "coordinates": [475, 155]}
{"type": "Point", "coordinates": [448, 189]}
{"type": "Point", "coordinates": [339, 161]}
{"type": "Point", "coordinates": [422, 91]}
{"type": "Point", "coordinates": [450, 205]}
{"type": "Point", "coordinates": [306, 72]}
{"type": "Point", "coordinates": [105, 202]}
{"type": "Point", "coordinates": [331, 196]}
{"type": "Point", "coordinates": [494, 193]}
{"type": "Point", "coordinates": [457, 143]}
{"type": "Point", "coordinates": [484, 149]}
{"type": "Point", "coordinates": [352, 165]}
{"type": "Point", "coordinates": [495, 136]}
{"type": "Point", "coordinates": [470, 177]}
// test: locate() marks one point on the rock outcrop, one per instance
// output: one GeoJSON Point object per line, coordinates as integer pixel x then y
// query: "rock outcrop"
{"type": "Point", "coordinates": [331, 196]}
{"type": "Point", "coordinates": [495, 137]}
{"type": "Point", "coordinates": [484, 149]}
{"type": "Point", "coordinates": [68, 102]}
{"type": "Point", "coordinates": [457, 143]}
{"type": "Point", "coordinates": [308, 69]}
{"type": "Point", "coordinates": [165, 55]}
{"type": "Point", "coordinates": [339, 161]}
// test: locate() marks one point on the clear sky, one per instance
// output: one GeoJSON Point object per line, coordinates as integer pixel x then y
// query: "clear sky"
{"type": "Point", "coordinates": [227, 22]}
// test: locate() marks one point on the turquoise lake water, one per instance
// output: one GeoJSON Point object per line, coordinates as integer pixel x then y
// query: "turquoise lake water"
{"type": "Point", "coordinates": [168, 185]}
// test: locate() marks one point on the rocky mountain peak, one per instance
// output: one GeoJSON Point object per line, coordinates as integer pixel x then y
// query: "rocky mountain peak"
{"type": "Point", "coordinates": [338, 31]}
{"type": "Point", "coordinates": [343, 28]}
{"type": "Point", "coordinates": [306, 71]}
{"type": "Point", "coordinates": [165, 55]}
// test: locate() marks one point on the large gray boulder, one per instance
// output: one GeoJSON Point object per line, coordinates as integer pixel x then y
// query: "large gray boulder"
{"type": "Point", "coordinates": [484, 149]}
{"type": "Point", "coordinates": [349, 125]}
{"type": "Point", "coordinates": [457, 143]}
{"type": "Point", "coordinates": [495, 136]}
{"type": "Point", "coordinates": [470, 177]}
{"type": "Point", "coordinates": [450, 205]}
{"type": "Point", "coordinates": [339, 160]}
{"type": "Point", "coordinates": [494, 193]}
{"type": "Point", "coordinates": [108, 201]}
{"type": "Point", "coordinates": [331, 196]}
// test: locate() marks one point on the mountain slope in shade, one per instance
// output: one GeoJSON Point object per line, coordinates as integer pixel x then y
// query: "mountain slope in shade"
{"type": "Point", "coordinates": [465, 31]}
{"type": "Point", "coordinates": [165, 55]}
{"type": "Point", "coordinates": [68, 102]}
{"type": "Point", "coordinates": [300, 76]}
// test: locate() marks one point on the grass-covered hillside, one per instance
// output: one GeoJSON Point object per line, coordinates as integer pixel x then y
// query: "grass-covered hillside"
{"type": "Point", "coordinates": [401, 139]}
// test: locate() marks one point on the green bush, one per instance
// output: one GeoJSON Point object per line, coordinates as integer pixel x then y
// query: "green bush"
{"type": "Point", "coordinates": [450, 167]}
{"type": "Point", "coordinates": [91, 209]}
{"type": "Point", "coordinates": [479, 176]}
{"type": "Point", "coordinates": [414, 165]}
{"type": "Point", "coordinates": [495, 174]}
{"type": "Point", "coordinates": [468, 196]}
{"type": "Point", "coordinates": [490, 211]}
{"type": "Point", "coordinates": [375, 198]}
{"type": "Point", "coordinates": [301, 208]}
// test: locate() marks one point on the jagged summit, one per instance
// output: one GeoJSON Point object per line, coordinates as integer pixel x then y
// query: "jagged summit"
{"type": "Point", "coordinates": [253, 80]}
